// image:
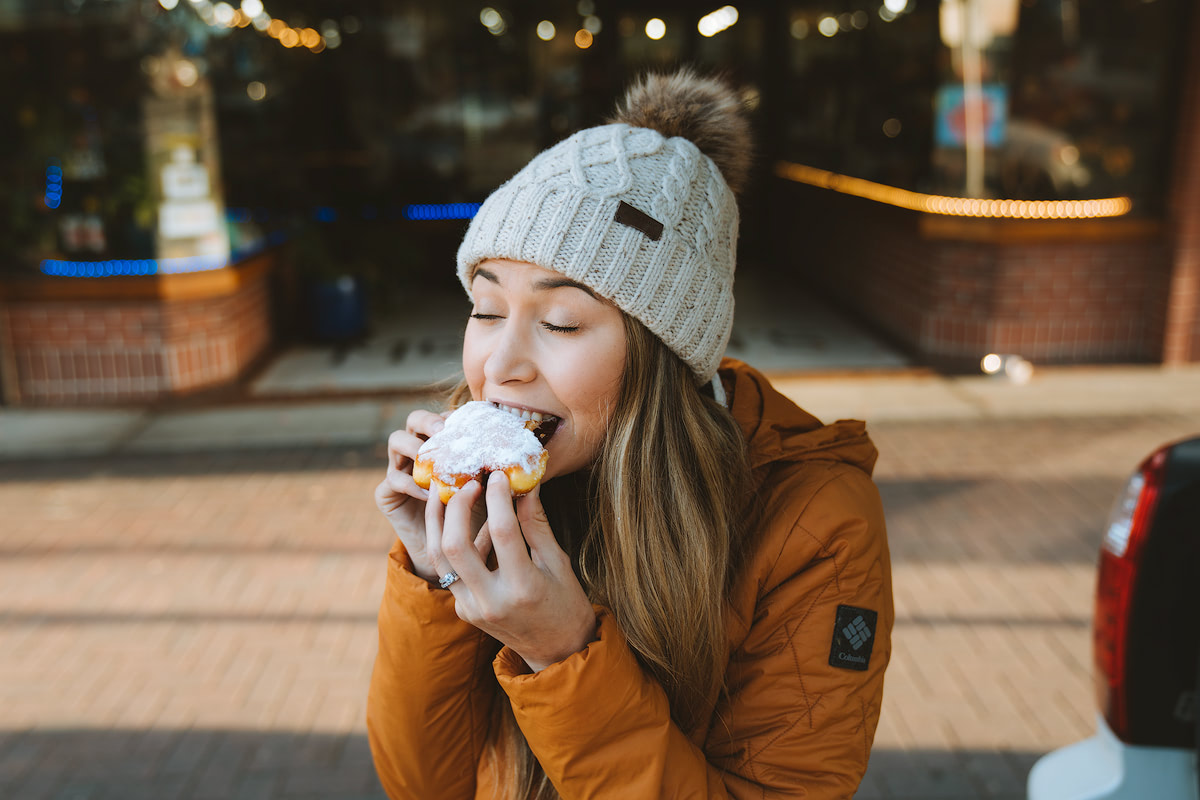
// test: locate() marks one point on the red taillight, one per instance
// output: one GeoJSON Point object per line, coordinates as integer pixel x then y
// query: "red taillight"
{"type": "Point", "coordinates": [1120, 555]}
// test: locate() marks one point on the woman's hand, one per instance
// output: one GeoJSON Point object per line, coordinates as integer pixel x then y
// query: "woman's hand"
{"type": "Point", "coordinates": [532, 601]}
{"type": "Point", "coordinates": [399, 497]}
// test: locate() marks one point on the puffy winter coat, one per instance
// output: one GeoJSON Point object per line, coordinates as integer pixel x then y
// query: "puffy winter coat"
{"type": "Point", "coordinates": [809, 626]}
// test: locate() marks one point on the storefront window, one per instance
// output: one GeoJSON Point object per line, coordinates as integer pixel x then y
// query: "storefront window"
{"type": "Point", "coordinates": [1098, 84]}
{"type": "Point", "coordinates": [1076, 100]}
{"type": "Point", "coordinates": [862, 79]}
{"type": "Point", "coordinates": [71, 169]}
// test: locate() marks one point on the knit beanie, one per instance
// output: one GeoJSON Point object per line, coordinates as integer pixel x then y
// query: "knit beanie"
{"type": "Point", "coordinates": [641, 211]}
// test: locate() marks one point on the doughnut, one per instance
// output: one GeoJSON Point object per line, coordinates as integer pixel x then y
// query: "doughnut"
{"type": "Point", "coordinates": [480, 438]}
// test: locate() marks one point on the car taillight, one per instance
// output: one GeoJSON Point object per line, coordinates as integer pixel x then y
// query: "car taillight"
{"type": "Point", "coordinates": [1120, 555]}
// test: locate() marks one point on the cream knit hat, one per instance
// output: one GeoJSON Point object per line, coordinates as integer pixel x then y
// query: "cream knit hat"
{"type": "Point", "coordinates": [644, 219]}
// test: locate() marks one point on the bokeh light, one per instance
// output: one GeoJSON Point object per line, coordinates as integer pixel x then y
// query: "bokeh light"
{"type": "Point", "coordinates": [223, 13]}
{"type": "Point", "coordinates": [717, 21]}
{"type": "Point", "coordinates": [186, 73]}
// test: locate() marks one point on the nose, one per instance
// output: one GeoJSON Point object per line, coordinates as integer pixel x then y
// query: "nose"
{"type": "Point", "coordinates": [510, 359]}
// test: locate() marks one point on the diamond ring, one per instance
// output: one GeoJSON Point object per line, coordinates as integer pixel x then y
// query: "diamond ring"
{"type": "Point", "coordinates": [447, 579]}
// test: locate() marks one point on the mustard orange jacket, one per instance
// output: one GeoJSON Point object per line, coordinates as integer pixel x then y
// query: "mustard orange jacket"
{"type": "Point", "coordinates": [809, 627]}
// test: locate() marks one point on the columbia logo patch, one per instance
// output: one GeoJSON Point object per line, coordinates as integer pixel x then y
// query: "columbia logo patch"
{"type": "Point", "coordinates": [853, 638]}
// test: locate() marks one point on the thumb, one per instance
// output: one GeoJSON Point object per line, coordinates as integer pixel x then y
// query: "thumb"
{"type": "Point", "coordinates": [535, 525]}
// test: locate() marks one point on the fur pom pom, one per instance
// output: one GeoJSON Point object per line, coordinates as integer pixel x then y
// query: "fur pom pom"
{"type": "Point", "coordinates": [706, 111]}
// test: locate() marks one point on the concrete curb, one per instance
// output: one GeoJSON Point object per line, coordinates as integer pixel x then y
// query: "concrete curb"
{"type": "Point", "coordinates": [878, 397]}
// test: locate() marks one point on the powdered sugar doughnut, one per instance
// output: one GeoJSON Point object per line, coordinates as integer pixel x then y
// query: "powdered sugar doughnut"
{"type": "Point", "coordinates": [480, 438]}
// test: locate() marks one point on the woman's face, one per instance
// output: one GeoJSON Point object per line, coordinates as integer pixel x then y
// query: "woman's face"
{"type": "Point", "coordinates": [540, 342]}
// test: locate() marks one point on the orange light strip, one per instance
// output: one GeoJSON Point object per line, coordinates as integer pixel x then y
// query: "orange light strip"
{"type": "Point", "coordinates": [954, 206]}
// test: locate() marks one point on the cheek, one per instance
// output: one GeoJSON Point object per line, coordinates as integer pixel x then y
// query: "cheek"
{"type": "Point", "coordinates": [598, 379]}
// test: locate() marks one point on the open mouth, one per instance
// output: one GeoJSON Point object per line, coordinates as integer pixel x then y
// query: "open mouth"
{"type": "Point", "coordinates": [542, 425]}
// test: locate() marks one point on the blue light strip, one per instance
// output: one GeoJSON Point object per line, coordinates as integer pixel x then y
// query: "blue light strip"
{"type": "Point", "coordinates": [171, 266]}
{"type": "Point", "coordinates": [429, 211]}
{"type": "Point", "coordinates": [414, 211]}
{"type": "Point", "coordinates": [54, 185]}
{"type": "Point", "coordinates": [99, 269]}
{"type": "Point", "coordinates": [121, 267]}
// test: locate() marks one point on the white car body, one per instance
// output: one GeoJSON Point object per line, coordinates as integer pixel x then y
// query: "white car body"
{"type": "Point", "coordinates": [1105, 768]}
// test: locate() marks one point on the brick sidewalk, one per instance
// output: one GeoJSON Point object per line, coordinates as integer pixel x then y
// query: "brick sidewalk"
{"type": "Point", "coordinates": [203, 626]}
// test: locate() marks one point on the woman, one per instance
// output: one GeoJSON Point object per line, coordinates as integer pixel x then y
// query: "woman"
{"type": "Point", "coordinates": [697, 600]}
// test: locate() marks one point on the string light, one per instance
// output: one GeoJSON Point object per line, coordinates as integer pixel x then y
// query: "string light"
{"type": "Point", "coordinates": [954, 206]}
{"type": "Point", "coordinates": [252, 12]}
{"type": "Point", "coordinates": [126, 267]}
{"type": "Point", "coordinates": [717, 21]}
{"type": "Point", "coordinates": [428, 211]}
{"type": "Point", "coordinates": [123, 267]}
{"type": "Point", "coordinates": [54, 186]}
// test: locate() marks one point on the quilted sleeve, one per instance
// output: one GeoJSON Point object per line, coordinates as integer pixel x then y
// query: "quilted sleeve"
{"type": "Point", "coordinates": [805, 685]}
{"type": "Point", "coordinates": [431, 690]}
{"type": "Point", "coordinates": [790, 724]}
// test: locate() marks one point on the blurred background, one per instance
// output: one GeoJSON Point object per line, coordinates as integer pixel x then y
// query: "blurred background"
{"type": "Point", "coordinates": [227, 232]}
{"type": "Point", "coordinates": [189, 188]}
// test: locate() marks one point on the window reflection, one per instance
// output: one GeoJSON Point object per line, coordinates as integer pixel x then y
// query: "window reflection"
{"type": "Point", "coordinates": [1073, 100]}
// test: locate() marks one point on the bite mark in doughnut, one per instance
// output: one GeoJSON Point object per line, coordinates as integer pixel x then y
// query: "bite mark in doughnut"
{"type": "Point", "coordinates": [480, 438]}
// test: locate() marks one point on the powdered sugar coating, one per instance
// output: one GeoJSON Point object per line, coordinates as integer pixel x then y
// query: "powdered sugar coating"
{"type": "Point", "coordinates": [479, 437]}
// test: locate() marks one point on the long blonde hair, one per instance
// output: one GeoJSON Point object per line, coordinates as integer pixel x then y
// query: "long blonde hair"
{"type": "Point", "coordinates": [665, 501]}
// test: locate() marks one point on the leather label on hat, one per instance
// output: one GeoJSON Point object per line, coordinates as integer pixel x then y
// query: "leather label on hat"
{"type": "Point", "coordinates": [853, 638]}
{"type": "Point", "coordinates": [639, 220]}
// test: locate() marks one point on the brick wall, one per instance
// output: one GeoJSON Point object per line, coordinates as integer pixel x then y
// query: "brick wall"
{"type": "Point", "coordinates": [70, 352]}
{"type": "Point", "coordinates": [94, 350]}
{"type": "Point", "coordinates": [953, 290]}
{"type": "Point", "coordinates": [1066, 302]}
{"type": "Point", "coordinates": [208, 342]}
{"type": "Point", "coordinates": [1179, 318]}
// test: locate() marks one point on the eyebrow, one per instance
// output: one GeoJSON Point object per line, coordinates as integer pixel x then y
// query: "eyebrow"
{"type": "Point", "coordinates": [543, 284]}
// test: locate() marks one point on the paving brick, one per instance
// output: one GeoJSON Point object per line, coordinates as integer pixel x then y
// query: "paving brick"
{"type": "Point", "coordinates": [203, 625]}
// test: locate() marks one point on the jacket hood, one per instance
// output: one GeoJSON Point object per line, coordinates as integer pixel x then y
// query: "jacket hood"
{"type": "Point", "coordinates": [778, 430]}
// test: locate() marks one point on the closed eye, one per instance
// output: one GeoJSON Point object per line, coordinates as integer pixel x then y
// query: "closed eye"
{"type": "Point", "coordinates": [486, 316]}
{"type": "Point", "coordinates": [560, 328]}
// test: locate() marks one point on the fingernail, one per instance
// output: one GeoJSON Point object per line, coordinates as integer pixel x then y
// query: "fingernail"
{"type": "Point", "coordinates": [437, 425]}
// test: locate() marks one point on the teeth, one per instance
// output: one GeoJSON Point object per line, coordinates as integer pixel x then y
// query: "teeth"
{"type": "Point", "coordinates": [523, 413]}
